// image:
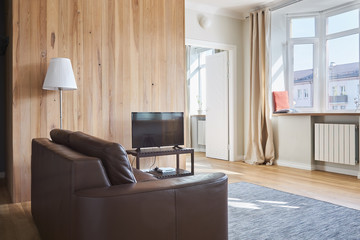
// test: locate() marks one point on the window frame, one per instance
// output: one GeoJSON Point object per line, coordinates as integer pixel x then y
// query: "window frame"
{"type": "Point", "coordinates": [320, 58]}
{"type": "Point", "coordinates": [324, 50]}
{"type": "Point", "coordinates": [290, 49]}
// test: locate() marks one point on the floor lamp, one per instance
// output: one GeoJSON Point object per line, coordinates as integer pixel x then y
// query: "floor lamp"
{"type": "Point", "coordinates": [60, 76]}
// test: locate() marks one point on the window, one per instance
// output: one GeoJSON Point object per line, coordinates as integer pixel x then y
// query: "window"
{"type": "Point", "coordinates": [306, 93]}
{"type": "Point", "coordinates": [342, 45]}
{"type": "Point", "coordinates": [302, 27]}
{"type": "Point", "coordinates": [323, 52]}
{"type": "Point", "coordinates": [197, 78]}
{"type": "Point", "coordinates": [302, 48]}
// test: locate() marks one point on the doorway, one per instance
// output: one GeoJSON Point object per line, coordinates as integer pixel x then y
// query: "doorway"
{"type": "Point", "coordinates": [210, 76]}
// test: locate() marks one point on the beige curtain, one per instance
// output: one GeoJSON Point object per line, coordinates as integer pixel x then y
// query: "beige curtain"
{"type": "Point", "coordinates": [260, 148]}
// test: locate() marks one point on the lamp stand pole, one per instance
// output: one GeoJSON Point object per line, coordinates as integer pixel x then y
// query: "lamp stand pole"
{"type": "Point", "coordinates": [60, 89]}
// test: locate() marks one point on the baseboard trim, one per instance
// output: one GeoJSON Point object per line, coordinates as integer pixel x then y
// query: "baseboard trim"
{"type": "Point", "coordinates": [239, 158]}
{"type": "Point", "coordinates": [351, 172]}
{"type": "Point", "coordinates": [285, 163]}
{"type": "Point", "coordinates": [199, 150]}
{"type": "Point", "coordinates": [2, 174]}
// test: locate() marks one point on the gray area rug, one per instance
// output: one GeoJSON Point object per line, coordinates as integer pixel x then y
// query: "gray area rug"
{"type": "Point", "coordinates": [257, 212]}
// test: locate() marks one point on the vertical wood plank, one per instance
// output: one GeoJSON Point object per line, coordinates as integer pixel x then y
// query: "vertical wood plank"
{"type": "Point", "coordinates": [52, 97]}
{"type": "Point", "coordinates": [127, 78]}
{"type": "Point", "coordinates": [23, 134]}
{"type": "Point", "coordinates": [43, 67]}
{"type": "Point", "coordinates": [119, 91]}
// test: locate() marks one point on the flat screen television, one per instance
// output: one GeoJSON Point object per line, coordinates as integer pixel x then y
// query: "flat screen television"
{"type": "Point", "coordinates": [157, 129]}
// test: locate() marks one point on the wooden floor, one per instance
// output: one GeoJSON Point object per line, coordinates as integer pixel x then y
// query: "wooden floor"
{"type": "Point", "coordinates": [339, 189]}
{"type": "Point", "coordinates": [16, 221]}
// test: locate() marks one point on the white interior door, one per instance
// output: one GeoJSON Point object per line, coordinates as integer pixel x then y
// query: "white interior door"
{"type": "Point", "coordinates": [217, 114]}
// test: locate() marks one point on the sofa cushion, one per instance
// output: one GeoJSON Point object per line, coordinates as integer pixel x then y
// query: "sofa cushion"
{"type": "Point", "coordinates": [112, 155]}
{"type": "Point", "coordinates": [60, 136]}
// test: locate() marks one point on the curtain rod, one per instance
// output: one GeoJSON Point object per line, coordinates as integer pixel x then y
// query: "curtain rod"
{"type": "Point", "coordinates": [277, 6]}
{"type": "Point", "coordinates": [283, 4]}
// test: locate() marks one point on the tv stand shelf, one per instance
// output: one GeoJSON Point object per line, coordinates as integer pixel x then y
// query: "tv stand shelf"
{"type": "Point", "coordinates": [164, 152]}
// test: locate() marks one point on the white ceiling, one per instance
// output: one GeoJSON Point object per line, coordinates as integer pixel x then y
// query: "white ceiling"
{"type": "Point", "coordinates": [232, 8]}
{"type": "Point", "coordinates": [241, 8]}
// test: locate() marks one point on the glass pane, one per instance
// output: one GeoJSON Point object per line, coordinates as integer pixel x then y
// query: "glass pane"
{"type": "Point", "coordinates": [194, 93]}
{"type": "Point", "coordinates": [342, 22]}
{"type": "Point", "coordinates": [303, 70]}
{"type": "Point", "coordinates": [203, 88]}
{"type": "Point", "coordinates": [343, 72]}
{"type": "Point", "coordinates": [302, 27]}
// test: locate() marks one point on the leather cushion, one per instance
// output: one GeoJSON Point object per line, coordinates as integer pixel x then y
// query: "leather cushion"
{"type": "Point", "coordinates": [60, 136]}
{"type": "Point", "coordinates": [112, 155]}
{"type": "Point", "coordinates": [143, 177]}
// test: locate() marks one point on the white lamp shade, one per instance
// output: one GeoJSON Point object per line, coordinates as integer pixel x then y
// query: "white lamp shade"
{"type": "Point", "coordinates": [60, 75]}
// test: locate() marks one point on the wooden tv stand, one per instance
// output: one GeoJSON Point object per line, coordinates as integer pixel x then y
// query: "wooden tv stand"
{"type": "Point", "coordinates": [163, 152]}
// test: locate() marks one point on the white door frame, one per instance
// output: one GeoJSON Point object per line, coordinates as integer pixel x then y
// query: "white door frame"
{"type": "Point", "coordinates": [232, 88]}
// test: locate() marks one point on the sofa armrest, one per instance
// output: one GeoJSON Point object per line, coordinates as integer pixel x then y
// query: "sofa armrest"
{"type": "Point", "coordinates": [56, 172]}
{"type": "Point", "coordinates": [192, 207]}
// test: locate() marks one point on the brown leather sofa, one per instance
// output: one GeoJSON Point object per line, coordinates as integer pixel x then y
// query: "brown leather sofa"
{"type": "Point", "coordinates": [74, 197]}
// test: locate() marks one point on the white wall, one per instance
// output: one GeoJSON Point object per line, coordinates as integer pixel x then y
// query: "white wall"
{"type": "Point", "coordinates": [229, 31]}
{"type": "Point", "coordinates": [278, 52]}
{"type": "Point", "coordinates": [246, 78]}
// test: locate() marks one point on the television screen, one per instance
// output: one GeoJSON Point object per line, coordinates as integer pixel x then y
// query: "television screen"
{"type": "Point", "coordinates": [156, 129]}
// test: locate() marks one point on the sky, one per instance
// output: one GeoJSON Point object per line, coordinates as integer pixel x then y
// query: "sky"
{"type": "Point", "coordinates": [341, 50]}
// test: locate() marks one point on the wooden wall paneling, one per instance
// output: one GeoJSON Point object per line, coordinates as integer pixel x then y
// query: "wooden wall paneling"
{"type": "Point", "coordinates": [52, 34]}
{"type": "Point", "coordinates": [96, 33]}
{"type": "Point", "coordinates": [180, 72]}
{"type": "Point", "coordinates": [22, 105]}
{"type": "Point", "coordinates": [170, 53]}
{"type": "Point", "coordinates": [86, 91]}
{"type": "Point", "coordinates": [77, 63]}
{"type": "Point", "coordinates": [162, 56]}
{"type": "Point", "coordinates": [10, 28]}
{"type": "Point", "coordinates": [126, 77]}
{"type": "Point", "coordinates": [34, 90]}
{"type": "Point", "coordinates": [118, 91]}
{"type": "Point", "coordinates": [68, 33]}
{"type": "Point", "coordinates": [43, 128]}
{"type": "Point", "coordinates": [158, 56]}
{"type": "Point", "coordinates": [180, 58]}
{"type": "Point", "coordinates": [147, 52]}
{"type": "Point", "coordinates": [34, 70]}
{"type": "Point", "coordinates": [64, 50]}
{"type": "Point", "coordinates": [126, 57]}
{"type": "Point", "coordinates": [106, 23]}
{"type": "Point", "coordinates": [136, 97]}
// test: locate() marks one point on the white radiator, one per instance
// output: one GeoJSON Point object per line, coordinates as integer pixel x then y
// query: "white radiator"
{"type": "Point", "coordinates": [201, 132]}
{"type": "Point", "coordinates": [336, 143]}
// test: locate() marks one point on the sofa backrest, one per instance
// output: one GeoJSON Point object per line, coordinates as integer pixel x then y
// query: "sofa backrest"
{"type": "Point", "coordinates": [113, 155]}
